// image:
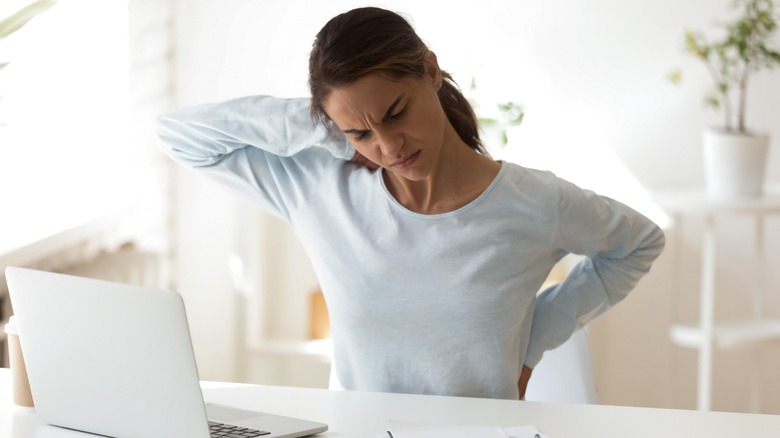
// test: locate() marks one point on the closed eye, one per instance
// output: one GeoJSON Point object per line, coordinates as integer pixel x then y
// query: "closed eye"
{"type": "Point", "coordinates": [358, 134]}
{"type": "Point", "coordinates": [398, 115]}
{"type": "Point", "coordinates": [362, 135]}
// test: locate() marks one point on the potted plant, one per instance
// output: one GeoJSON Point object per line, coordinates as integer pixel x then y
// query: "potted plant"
{"type": "Point", "coordinates": [734, 155]}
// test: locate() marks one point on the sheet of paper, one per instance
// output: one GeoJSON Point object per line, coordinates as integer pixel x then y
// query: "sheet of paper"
{"type": "Point", "coordinates": [523, 432]}
{"type": "Point", "coordinates": [403, 429]}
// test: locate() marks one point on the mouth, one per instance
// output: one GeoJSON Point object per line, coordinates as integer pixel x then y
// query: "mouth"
{"type": "Point", "coordinates": [406, 161]}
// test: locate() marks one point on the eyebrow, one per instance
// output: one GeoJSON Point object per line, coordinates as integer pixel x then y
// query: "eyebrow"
{"type": "Point", "coordinates": [388, 114]}
{"type": "Point", "coordinates": [391, 110]}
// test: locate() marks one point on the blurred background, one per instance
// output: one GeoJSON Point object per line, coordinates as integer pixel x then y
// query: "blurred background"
{"type": "Point", "coordinates": [85, 190]}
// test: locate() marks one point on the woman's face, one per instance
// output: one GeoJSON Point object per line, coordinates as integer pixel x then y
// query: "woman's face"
{"type": "Point", "coordinates": [397, 124]}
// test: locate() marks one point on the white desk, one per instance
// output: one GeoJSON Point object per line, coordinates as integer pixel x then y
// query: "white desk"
{"type": "Point", "coordinates": [363, 414]}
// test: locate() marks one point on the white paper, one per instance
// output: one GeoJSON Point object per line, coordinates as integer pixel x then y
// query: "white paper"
{"type": "Point", "coordinates": [523, 432]}
{"type": "Point", "coordinates": [403, 429]}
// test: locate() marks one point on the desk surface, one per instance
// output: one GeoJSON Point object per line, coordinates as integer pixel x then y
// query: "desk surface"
{"type": "Point", "coordinates": [364, 414]}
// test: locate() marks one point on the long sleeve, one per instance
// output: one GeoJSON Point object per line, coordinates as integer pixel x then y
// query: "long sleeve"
{"type": "Point", "coordinates": [267, 148]}
{"type": "Point", "coordinates": [619, 246]}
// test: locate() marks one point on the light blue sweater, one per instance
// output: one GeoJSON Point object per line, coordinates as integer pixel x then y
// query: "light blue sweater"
{"type": "Point", "coordinates": [433, 304]}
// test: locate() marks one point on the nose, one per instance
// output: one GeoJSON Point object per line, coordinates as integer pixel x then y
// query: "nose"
{"type": "Point", "coordinates": [390, 143]}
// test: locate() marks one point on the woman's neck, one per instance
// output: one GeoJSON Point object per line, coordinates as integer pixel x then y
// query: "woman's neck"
{"type": "Point", "coordinates": [459, 177]}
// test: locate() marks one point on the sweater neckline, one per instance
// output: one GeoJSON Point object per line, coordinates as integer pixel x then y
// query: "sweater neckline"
{"type": "Point", "coordinates": [455, 212]}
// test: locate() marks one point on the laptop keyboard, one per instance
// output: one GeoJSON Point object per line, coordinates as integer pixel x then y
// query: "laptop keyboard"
{"type": "Point", "coordinates": [221, 430]}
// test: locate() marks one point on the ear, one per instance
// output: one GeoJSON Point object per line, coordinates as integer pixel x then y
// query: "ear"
{"type": "Point", "coordinates": [432, 70]}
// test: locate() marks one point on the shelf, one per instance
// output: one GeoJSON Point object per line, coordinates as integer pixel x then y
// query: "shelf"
{"type": "Point", "coordinates": [751, 333]}
{"type": "Point", "coordinates": [696, 202]}
{"type": "Point", "coordinates": [730, 335]}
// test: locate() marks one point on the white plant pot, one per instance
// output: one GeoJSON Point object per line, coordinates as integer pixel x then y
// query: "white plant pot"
{"type": "Point", "coordinates": [734, 164]}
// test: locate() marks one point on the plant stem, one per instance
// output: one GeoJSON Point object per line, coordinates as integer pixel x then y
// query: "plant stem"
{"type": "Point", "coordinates": [724, 95]}
{"type": "Point", "coordinates": [743, 83]}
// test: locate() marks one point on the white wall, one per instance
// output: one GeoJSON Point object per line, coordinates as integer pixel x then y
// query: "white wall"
{"type": "Point", "coordinates": [599, 111]}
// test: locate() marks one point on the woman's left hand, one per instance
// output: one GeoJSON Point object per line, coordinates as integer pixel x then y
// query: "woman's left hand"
{"type": "Point", "coordinates": [522, 383]}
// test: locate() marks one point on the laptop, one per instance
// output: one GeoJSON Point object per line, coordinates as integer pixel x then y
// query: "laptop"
{"type": "Point", "coordinates": [117, 360]}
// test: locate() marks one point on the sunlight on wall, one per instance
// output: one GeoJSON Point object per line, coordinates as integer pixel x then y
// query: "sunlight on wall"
{"type": "Point", "coordinates": [64, 120]}
{"type": "Point", "coordinates": [579, 152]}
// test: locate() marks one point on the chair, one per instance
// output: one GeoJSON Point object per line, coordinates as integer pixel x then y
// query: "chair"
{"type": "Point", "coordinates": [565, 374]}
{"type": "Point", "coordinates": [334, 383]}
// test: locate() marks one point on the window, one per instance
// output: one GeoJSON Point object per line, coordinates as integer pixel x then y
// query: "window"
{"type": "Point", "coordinates": [67, 151]}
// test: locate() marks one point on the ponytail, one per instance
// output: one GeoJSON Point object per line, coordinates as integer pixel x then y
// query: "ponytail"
{"type": "Point", "coordinates": [460, 114]}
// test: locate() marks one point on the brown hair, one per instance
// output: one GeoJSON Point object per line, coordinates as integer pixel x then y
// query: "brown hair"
{"type": "Point", "coordinates": [373, 40]}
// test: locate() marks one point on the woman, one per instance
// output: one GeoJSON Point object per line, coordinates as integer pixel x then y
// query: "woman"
{"type": "Point", "coordinates": [430, 254]}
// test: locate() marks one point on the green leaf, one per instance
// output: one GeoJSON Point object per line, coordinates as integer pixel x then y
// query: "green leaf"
{"type": "Point", "coordinates": [22, 16]}
{"type": "Point", "coordinates": [695, 45]}
{"type": "Point", "coordinates": [486, 121]}
{"type": "Point", "coordinates": [674, 76]}
{"type": "Point", "coordinates": [712, 101]}
{"type": "Point", "coordinates": [771, 55]}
